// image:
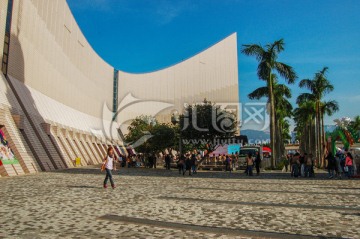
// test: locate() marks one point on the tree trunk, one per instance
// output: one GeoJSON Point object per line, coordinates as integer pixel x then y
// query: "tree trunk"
{"type": "Point", "coordinates": [324, 141]}
{"type": "Point", "coordinates": [308, 137]}
{"type": "Point", "coordinates": [321, 139]}
{"type": "Point", "coordinates": [304, 140]}
{"type": "Point", "coordinates": [318, 135]}
{"type": "Point", "coordinates": [316, 138]}
{"type": "Point", "coordinates": [272, 123]}
{"type": "Point", "coordinates": [278, 131]}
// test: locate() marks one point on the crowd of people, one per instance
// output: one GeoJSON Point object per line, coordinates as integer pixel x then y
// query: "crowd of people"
{"type": "Point", "coordinates": [338, 166]}
{"type": "Point", "coordinates": [301, 165]}
{"type": "Point", "coordinates": [188, 163]}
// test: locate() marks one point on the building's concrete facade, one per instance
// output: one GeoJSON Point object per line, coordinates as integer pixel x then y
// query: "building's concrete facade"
{"type": "Point", "coordinates": [56, 100]}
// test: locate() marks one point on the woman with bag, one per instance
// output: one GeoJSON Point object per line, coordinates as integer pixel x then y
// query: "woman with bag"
{"type": "Point", "coordinates": [109, 165]}
{"type": "Point", "coordinates": [349, 164]}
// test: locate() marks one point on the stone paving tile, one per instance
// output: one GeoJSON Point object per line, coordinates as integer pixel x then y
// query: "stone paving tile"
{"type": "Point", "coordinates": [67, 204]}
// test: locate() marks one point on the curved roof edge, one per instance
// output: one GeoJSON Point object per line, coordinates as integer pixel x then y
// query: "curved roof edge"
{"type": "Point", "coordinates": [82, 33]}
{"type": "Point", "coordinates": [146, 72]}
{"type": "Point", "coordinates": [182, 61]}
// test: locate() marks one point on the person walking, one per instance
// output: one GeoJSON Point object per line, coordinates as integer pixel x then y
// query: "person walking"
{"type": "Point", "coordinates": [250, 163]}
{"type": "Point", "coordinates": [331, 164]}
{"type": "Point", "coordinates": [167, 161]}
{"type": "Point", "coordinates": [295, 162]}
{"type": "Point", "coordinates": [287, 160]}
{"type": "Point", "coordinates": [193, 163]}
{"type": "Point", "coordinates": [349, 164]}
{"type": "Point", "coordinates": [154, 160]}
{"type": "Point", "coordinates": [339, 168]}
{"type": "Point", "coordinates": [181, 164]}
{"type": "Point", "coordinates": [150, 160]}
{"type": "Point", "coordinates": [302, 164]}
{"type": "Point", "coordinates": [257, 163]}
{"type": "Point", "coordinates": [108, 166]}
{"type": "Point", "coordinates": [227, 163]}
{"type": "Point", "coordinates": [308, 166]}
{"type": "Point", "coordinates": [233, 161]}
{"type": "Point", "coordinates": [187, 165]}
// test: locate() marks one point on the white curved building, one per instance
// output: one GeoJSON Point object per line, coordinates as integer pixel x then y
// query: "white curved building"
{"type": "Point", "coordinates": [58, 97]}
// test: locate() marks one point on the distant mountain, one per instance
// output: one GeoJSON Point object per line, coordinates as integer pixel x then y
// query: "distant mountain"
{"type": "Point", "coordinates": [254, 135]}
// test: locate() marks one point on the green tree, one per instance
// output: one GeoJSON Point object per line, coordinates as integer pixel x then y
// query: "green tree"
{"type": "Point", "coordinates": [147, 135]}
{"type": "Point", "coordinates": [283, 110]}
{"type": "Point", "coordinates": [355, 124]}
{"type": "Point", "coordinates": [267, 57]}
{"type": "Point", "coordinates": [163, 137]}
{"type": "Point", "coordinates": [327, 108]}
{"type": "Point", "coordinates": [319, 86]}
{"type": "Point", "coordinates": [304, 117]}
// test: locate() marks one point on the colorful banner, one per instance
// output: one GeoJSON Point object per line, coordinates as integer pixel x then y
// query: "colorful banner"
{"type": "Point", "coordinates": [6, 154]}
{"type": "Point", "coordinates": [233, 148]}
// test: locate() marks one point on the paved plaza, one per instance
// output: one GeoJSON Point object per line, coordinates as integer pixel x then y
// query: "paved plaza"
{"type": "Point", "coordinates": [155, 203]}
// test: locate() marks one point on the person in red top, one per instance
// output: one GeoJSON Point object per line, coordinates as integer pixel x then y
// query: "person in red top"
{"type": "Point", "coordinates": [349, 164]}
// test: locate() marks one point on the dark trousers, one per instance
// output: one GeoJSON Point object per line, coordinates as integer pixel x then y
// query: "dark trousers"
{"type": "Point", "coordinates": [167, 163]}
{"type": "Point", "coordinates": [250, 170]}
{"type": "Point", "coordinates": [181, 168]}
{"type": "Point", "coordinates": [108, 176]}
{"type": "Point", "coordinates": [187, 168]}
{"type": "Point", "coordinates": [257, 166]}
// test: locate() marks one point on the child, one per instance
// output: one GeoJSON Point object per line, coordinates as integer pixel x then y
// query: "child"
{"type": "Point", "coordinates": [109, 164]}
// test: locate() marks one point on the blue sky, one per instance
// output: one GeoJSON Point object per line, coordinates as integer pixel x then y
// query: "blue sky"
{"type": "Point", "coordinates": [146, 35]}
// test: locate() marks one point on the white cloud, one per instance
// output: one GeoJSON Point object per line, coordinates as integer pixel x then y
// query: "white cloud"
{"type": "Point", "coordinates": [167, 10]}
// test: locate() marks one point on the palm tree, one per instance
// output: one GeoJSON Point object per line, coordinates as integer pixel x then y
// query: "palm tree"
{"type": "Point", "coordinates": [283, 110]}
{"type": "Point", "coordinates": [319, 86]}
{"type": "Point", "coordinates": [328, 108]}
{"type": "Point", "coordinates": [267, 57]}
{"type": "Point", "coordinates": [355, 124]}
{"type": "Point", "coordinates": [304, 117]}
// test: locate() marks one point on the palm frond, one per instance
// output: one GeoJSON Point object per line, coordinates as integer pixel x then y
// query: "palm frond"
{"type": "Point", "coordinates": [276, 47]}
{"type": "Point", "coordinates": [305, 97]}
{"type": "Point", "coordinates": [306, 83]}
{"type": "Point", "coordinates": [324, 70]}
{"type": "Point", "coordinates": [329, 107]}
{"type": "Point", "coordinates": [264, 70]}
{"type": "Point", "coordinates": [253, 50]}
{"type": "Point", "coordinates": [259, 93]}
{"type": "Point", "coordinates": [286, 71]}
{"type": "Point", "coordinates": [283, 90]}
{"type": "Point", "coordinates": [328, 88]}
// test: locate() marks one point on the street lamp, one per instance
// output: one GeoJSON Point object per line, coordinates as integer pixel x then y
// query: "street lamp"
{"type": "Point", "coordinates": [175, 119]}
